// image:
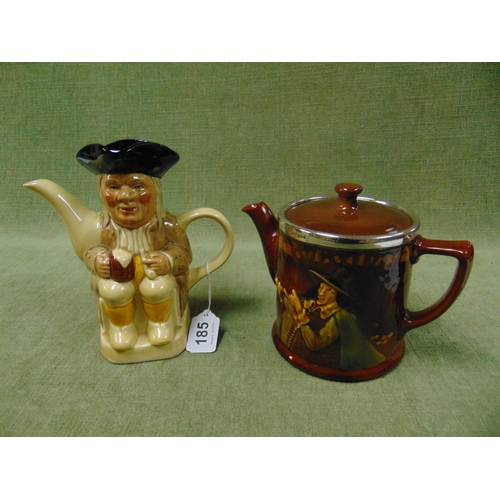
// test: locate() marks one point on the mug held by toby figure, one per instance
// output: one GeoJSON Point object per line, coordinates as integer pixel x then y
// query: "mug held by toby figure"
{"type": "Point", "coordinates": [342, 267]}
{"type": "Point", "coordinates": [138, 253]}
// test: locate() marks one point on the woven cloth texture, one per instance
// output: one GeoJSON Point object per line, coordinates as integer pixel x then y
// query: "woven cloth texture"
{"type": "Point", "coordinates": [424, 136]}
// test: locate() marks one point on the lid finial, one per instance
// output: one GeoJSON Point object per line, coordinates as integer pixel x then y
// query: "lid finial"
{"type": "Point", "coordinates": [348, 193]}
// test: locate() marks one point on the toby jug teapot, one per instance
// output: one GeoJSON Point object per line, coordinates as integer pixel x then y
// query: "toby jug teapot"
{"type": "Point", "coordinates": [138, 253]}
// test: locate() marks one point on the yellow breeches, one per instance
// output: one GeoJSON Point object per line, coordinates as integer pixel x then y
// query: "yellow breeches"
{"type": "Point", "coordinates": [124, 315]}
{"type": "Point", "coordinates": [158, 313]}
{"type": "Point", "coordinates": [121, 316]}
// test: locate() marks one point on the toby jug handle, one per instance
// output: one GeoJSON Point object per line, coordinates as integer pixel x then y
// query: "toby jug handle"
{"type": "Point", "coordinates": [197, 273]}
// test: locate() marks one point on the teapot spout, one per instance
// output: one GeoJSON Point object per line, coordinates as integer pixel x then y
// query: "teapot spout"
{"type": "Point", "coordinates": [267, 227]}
{"type": "Point", "coordinates": [83, 225]}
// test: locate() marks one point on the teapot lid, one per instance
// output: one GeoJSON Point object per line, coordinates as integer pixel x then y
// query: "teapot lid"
{"type": "Point", "coordinates": [348, 219]}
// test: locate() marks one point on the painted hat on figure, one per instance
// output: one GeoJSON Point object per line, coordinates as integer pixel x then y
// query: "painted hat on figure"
{"type": "Point", "coordinates": [319, 278]}
{"type": "Point", "coordinates": [128, 156]}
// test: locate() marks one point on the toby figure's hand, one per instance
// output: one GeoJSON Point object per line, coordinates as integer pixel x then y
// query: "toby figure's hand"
{"type": "Point", "coordinates": [102, 266]}
{"type": "Point", "coordinates": [158, 262]}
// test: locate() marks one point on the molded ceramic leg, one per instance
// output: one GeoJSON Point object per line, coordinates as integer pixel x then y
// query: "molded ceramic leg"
{"type": "Point", "coordinates": [144, 350]}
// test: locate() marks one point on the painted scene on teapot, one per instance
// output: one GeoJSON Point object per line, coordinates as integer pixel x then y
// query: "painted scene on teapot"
{"type": "Point", "coordinates": [338, 308]}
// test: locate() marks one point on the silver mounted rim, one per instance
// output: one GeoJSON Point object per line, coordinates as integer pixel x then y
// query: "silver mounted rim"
{"type": "Point", "coordinates": [348, 242]}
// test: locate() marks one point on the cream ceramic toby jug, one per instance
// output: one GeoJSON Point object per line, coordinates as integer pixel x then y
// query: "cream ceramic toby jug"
{"type": "Point", "coordinates": [138, 253]}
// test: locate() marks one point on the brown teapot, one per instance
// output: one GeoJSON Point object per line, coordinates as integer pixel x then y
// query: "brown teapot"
{"type": "Point", "coordinates": [342, 267]}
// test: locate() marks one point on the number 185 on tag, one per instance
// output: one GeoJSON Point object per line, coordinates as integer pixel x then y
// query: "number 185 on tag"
{"type": "Point", "coordinates": [203, 333]}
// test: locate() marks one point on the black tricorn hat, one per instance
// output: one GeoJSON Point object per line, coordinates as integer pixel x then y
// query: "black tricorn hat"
{"type": "Point", "coordinates": [128, 156]}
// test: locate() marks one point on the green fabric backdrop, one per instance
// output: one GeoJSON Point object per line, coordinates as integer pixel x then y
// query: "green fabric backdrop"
{"type": "Point", "coordinates": [425, 136]}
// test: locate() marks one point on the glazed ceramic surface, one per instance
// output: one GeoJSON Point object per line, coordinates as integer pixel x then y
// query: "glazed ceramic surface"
{"type": "Point", "coordinates": [138, 253]}
{"type": "Point", "coordinates": [342, 267]}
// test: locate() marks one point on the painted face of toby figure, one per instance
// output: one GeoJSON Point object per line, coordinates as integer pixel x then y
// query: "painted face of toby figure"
{"type": "Point", "coordinates": [130, 199]}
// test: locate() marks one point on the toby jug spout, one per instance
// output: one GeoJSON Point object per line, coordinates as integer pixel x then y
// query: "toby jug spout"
{"type": "Point", "coordinates": [267, 227]}
{"type": "Point", "coordinates": [83, 225]}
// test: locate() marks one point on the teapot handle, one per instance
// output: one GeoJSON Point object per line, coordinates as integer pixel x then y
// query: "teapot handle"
{"type": "Point", "coordinates": [463, 251]}
{"type": "Point", "coordinates": [197, 273]}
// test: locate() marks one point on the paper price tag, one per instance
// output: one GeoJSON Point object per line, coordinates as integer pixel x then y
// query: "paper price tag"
{"type": "Point", "coordinates": [203, 332]}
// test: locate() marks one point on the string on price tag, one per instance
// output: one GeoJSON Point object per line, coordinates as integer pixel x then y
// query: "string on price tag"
{"type": "Point", "coordinates": [204, 329]}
